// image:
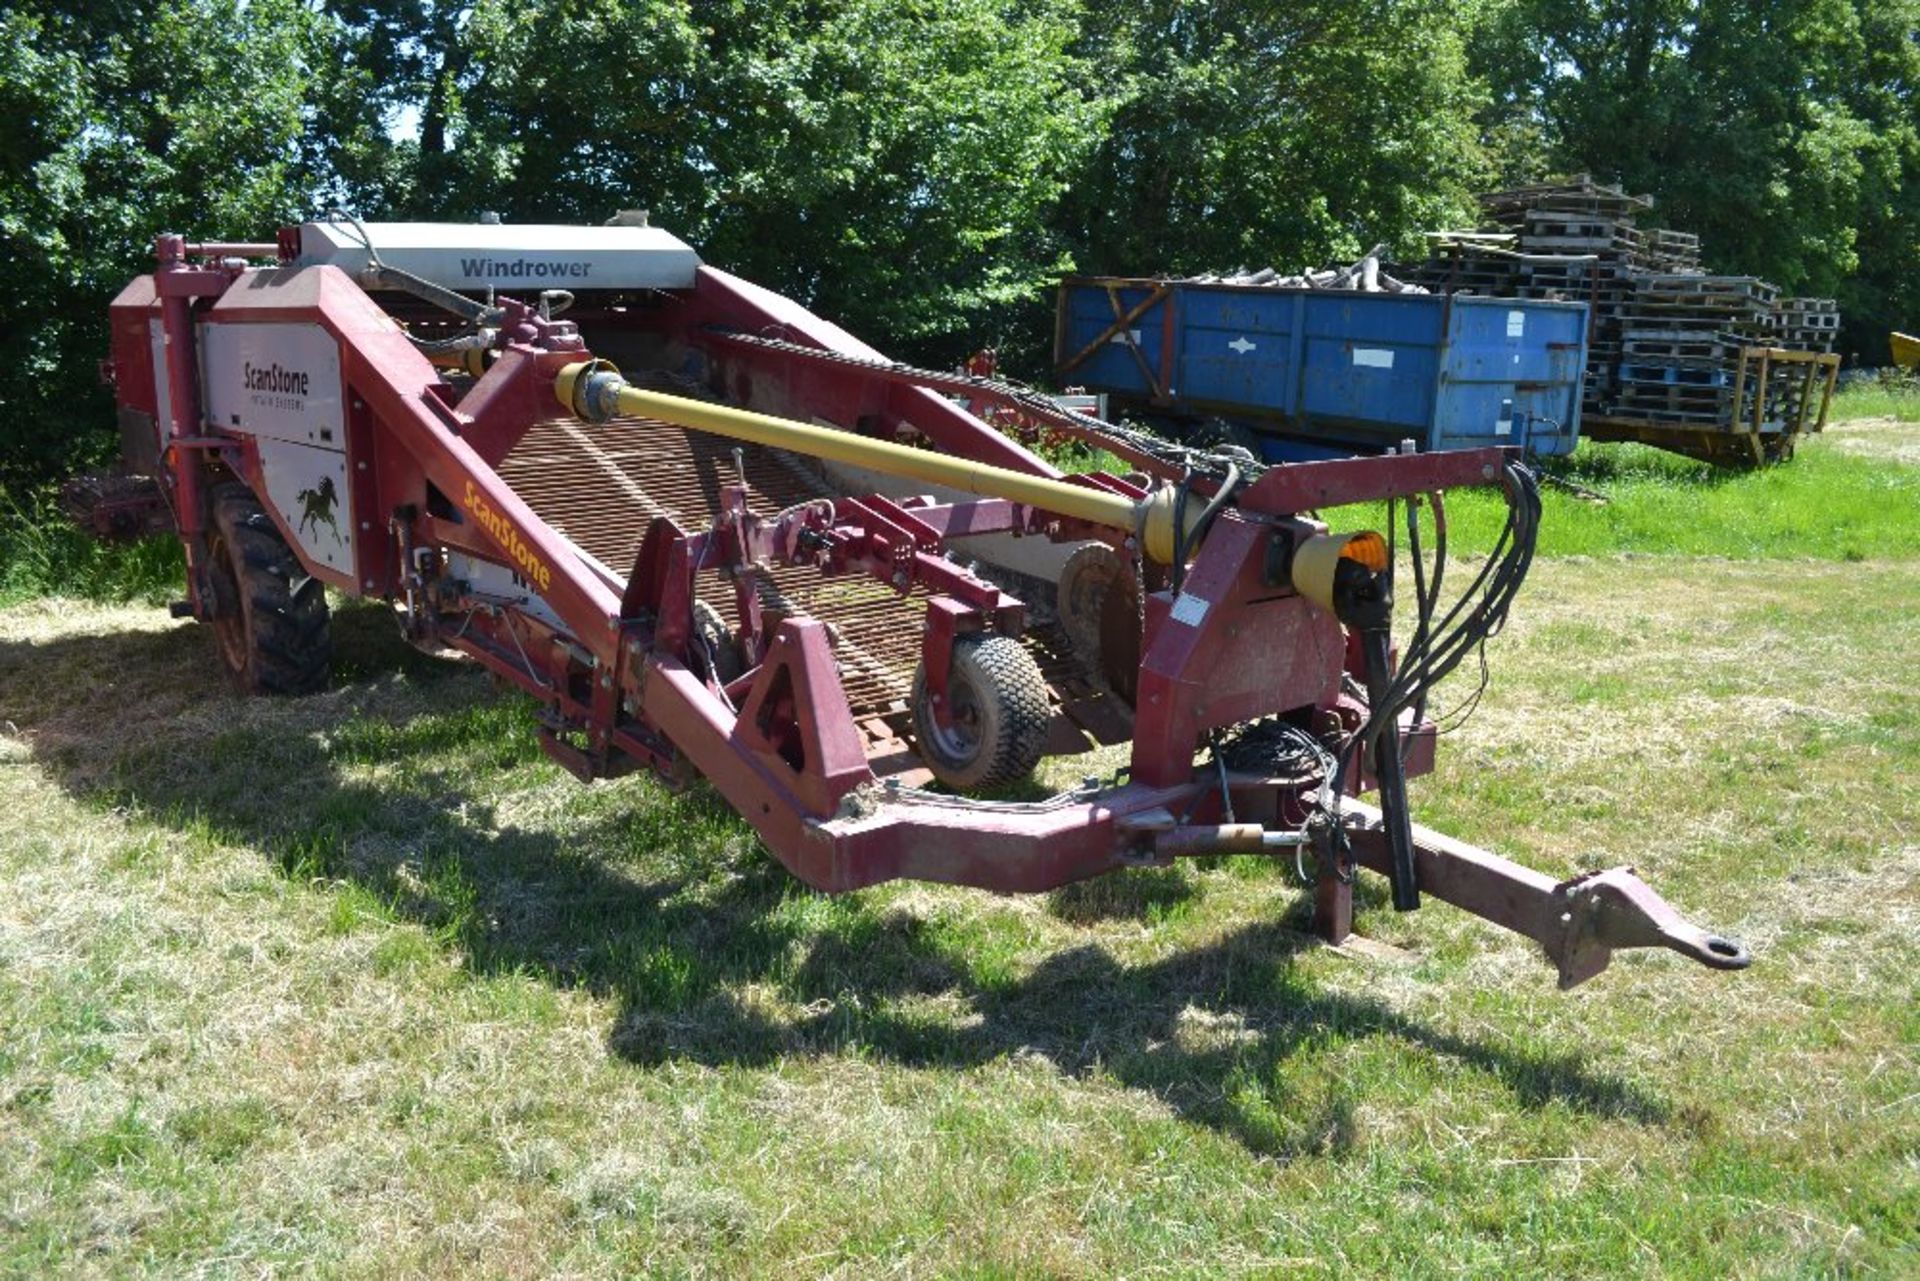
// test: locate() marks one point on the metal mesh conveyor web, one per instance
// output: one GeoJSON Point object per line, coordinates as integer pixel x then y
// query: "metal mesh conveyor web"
{"type": "Point", "coordinates": [601, 485]}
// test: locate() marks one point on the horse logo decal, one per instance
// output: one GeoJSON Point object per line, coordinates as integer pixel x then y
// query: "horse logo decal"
{"type": "Point", "coordinates": [316, 508]}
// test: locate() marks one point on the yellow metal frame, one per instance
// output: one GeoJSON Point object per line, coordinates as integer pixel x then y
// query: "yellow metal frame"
{"type": "Point", "coordinates": [1810, 363]}
{"type": "Point", "coordinates": [1906, 349]}
{"type": "Point", "coordinates": [1739, 439]}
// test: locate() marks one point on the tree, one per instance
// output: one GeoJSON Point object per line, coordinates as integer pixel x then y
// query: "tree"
{"type": "Point", "coordinates": [891, 164]}
{"type": "Point", "coordinates": [117, 122]}
{"type": "Point", "coordinates": [922, 172]}
{"type": "Point", "coordinates": [1251, 134]}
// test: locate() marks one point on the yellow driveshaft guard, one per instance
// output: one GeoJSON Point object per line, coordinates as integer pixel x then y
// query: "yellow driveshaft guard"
{"type": "Point", "coordinates": [1150, 519]}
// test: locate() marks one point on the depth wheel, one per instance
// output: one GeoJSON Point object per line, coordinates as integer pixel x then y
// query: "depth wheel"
{"type": "Point", "coordinates": [271, 626]}
{"type": "Point", "coordinates": [1099, 609]}
{"type": "Point", "coordinates": [998, 715]}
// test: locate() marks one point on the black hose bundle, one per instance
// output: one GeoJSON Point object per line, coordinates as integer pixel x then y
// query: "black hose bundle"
{"type": "Point", "coordinates": [1437, 648]}
{"type": "Point", "coordinates": [1184, 542]}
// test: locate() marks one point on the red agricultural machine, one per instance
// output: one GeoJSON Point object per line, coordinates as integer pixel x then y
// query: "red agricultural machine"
{"type": "Point", "coordinates": [778, 561]}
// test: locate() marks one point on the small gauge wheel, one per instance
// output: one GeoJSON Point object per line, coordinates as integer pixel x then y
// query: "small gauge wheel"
{"type": "Point", "coordinates": [998, 715]}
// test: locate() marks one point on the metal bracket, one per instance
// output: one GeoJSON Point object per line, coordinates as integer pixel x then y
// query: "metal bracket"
{"type": "Point", "coordinates": [1603, 911]}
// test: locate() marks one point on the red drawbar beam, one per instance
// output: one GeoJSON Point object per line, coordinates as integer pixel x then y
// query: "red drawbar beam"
{"type": "Point", "coordinates": [1304, 487]}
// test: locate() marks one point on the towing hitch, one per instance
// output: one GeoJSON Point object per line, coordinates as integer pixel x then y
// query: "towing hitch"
{"type": "Point", "coordinates": [1579, 922]}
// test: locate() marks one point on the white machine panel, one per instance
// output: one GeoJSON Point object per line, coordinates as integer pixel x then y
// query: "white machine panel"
{"type": "Point", "coordinates": [278, 382]}
{"type": "Point", "coordinates": [516, 259]}
{"type": "Point", "coordinates": [308, 487]}
{"type": "Point", "coordinates": [502, 584]}
{"type": "Point", "coordinates": [162, 389]}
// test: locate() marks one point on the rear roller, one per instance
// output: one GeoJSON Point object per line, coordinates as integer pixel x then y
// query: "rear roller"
{"type": "Point", "coordinates": [997, 725]}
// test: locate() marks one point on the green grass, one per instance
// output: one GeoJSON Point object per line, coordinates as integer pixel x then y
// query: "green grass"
{"type": "Point", "coordinates": [42, 554]}
{"type": "Point", "coordinates": [1894, 398]}
{"type": "Point", "coordinates": [362, 985]}
{"type": "Point", "coordinates": [1827, 504]}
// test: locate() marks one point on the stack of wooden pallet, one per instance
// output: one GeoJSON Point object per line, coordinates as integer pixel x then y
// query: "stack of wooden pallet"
{"type": "Point", "coordinates": [1806, 324]}
{"type": "Point", "coordinates": [1514, 207]}
{"type": "Point", "coordinates": [1701, 324]}
{"type": "Point", "coordinates": [1670, 348]}
{"type": "Point", "coordinates": [1472, 262]}
{"type": "Point", "coordinates": [1579, 240]}
{"type": "Point", "coordinates": [1672, 251]}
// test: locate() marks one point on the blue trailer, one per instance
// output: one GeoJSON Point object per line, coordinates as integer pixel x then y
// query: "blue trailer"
{"type": "Point", "coordinates": [1317, 373]}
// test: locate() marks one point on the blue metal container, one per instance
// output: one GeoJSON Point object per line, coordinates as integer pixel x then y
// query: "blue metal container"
{"type": "Point", "coordinates": [1322, 372]}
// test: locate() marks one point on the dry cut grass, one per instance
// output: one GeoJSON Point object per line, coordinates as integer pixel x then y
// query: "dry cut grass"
{"type": "Point", "coordinates": [1883, 440]}
{"type": "Point", "coordinates": [359, 985]}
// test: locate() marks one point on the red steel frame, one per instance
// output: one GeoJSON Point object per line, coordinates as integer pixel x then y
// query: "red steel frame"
{"type": "Point", "coordinates": [620, 686]}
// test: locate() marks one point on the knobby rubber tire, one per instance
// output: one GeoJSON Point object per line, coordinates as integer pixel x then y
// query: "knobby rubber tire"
{"type": "Point", "coordinates": [1012, 713]}
{"type": "Point", "coordinates": [285, 642]}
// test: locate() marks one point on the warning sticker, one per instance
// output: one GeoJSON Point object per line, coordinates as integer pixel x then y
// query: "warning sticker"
{"type": "Point", "coordinates": [1375, 357]}
{"type": "Point", "coordinates": [1189, 609]}
{"type": "Point", "coordinates": [1516, 324]}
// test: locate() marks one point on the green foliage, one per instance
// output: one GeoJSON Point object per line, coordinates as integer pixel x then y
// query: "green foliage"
{"type": "Point", "coordinates": [1890, 396]}
{"type": "Point", "coordinates": [1283, 135]}
{"type": "Point", "coordinates": [892, 165]}
{"type": "Point", "coordinates": [44, 554]}
{"type": "Point", "coordinates": [119, 121]}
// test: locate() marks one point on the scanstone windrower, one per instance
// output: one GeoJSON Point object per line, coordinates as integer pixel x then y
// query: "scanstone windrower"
{"type": "Point", "coordinates": [771, 558]}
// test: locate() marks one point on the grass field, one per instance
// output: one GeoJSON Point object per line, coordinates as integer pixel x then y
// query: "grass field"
{"type": "Point", "coordinates": [1897, 400]}
{"type": "Point", "coordinates": [359, 984]}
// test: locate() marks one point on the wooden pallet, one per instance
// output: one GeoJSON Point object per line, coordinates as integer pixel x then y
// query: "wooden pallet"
{"type": "Point", "coordinates": [1702, 373]}
{"type": "Point", "coordinates": [1671, 252]}
{"type": "Point", "coordinates": [1680, 344]}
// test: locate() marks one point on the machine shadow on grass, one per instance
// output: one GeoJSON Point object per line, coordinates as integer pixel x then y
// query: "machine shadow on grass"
{"type": "Point", "coordinates": [669, 907]}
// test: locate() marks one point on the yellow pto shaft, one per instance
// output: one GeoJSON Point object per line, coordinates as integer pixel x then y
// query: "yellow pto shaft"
{"type": "Point", "coordinates": [593, 391]}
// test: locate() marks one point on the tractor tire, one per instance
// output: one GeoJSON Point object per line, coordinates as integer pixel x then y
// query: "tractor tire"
{"type": "Point", "coordinates": [999, 720]}
{"type": "Point", "coordinates": [271, 627]}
